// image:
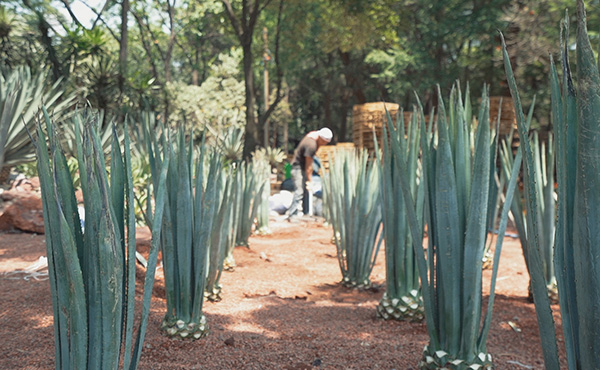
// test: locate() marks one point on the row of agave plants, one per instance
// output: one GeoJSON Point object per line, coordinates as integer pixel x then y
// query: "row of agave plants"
{"type": "Point", "coordinates": [436, 179]}
{"type": "Point", "coordinates": [576, 119]}
{"type": "Point", "coordinates": [200, 207]}
{"type": "Point", "coordinates": [441, 179]}
{"type": "Point", "coordinates": [425, 181]}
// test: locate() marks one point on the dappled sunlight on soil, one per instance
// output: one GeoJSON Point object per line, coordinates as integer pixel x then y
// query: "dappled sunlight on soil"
{"type": "Point", "coordinates": [282, 308]}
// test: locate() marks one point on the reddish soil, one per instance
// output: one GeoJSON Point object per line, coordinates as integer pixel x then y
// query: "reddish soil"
{"type": "Point", "coordinates": [282, 308]}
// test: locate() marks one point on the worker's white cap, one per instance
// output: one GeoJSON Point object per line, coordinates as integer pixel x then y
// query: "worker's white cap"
{"type": "Point", "coordinates": [325, 134]}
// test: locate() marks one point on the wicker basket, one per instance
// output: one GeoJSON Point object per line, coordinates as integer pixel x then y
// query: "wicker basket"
{"type": "Point", "coordinates": [368, 120]}
{"type": "Point", "coordinates": [326, 153]}
{"type": "Point", "coordinates": [371, 117]}
{"type": "Point", "coordinates": [508, 118]}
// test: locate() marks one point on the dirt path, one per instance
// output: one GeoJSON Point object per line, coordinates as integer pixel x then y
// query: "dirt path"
{"type": "Point", "coordinates": [282, 308]}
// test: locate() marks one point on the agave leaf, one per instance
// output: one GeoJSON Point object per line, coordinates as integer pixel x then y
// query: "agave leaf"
{"type": "Point", "coordinates": [184, 221]}
{"type": "Point", "coordinates": [157, 231]}
{"type": "Point", "coordinates": [21, 96]}
{"type": "Point", "coordinates": [117, 183]}
{"type": "Point", "coordinates": [448, 227]}
{"type": "Point", "coordinates": [129, 310]}
{"type": "Point", "coordinates": [355, 212]}
{"type": "Point", "coordinates": [55, 260]}
{"type": "Point", "coordinates": [544, 314]}
{"type": "Point", "coordinates": [401, 273]}
{"type": "Point", "coordinates": [586, 236]}
{"type": "Point", "coordinates": [416, 230]}
{"type": "Point", "coordinates": [563, 111]}
{"type": "Point", "coordinates": [475, 236]}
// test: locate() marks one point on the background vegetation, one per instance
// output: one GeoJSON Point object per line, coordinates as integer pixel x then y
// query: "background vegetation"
{"type": "Point", "coordinates": [202, 62]}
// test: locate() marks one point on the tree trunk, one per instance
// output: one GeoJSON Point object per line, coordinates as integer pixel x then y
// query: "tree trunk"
{"type": "Point", "coordinates": [252, 138]}
{"type": "Point", "coordinates": [195, 74]}
{"type": "Point", "coordinates": [352, 80]}
{"type": "Point", "coordinates": [44, 29]}
{"type": "Point", "coordinates": [343, 132]}
{"type": "Point", "coordinates": [327, 121]}
{"type": "Point", "coordinates": [123, 47]}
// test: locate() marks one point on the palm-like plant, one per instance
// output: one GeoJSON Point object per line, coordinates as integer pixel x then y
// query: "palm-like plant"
{"type": "Point", "coordinates": [352, 187]}
{"type": "Point", "coordinates": [21, 96]}
{"type": "Point", "coordinates": [92, 273]}
{"type": "Point", "coordinates": [230, 144]}
{"type": "Point", "coordinates": [402, 298]}
{"type": "Point", "coordinates": [7, 21]}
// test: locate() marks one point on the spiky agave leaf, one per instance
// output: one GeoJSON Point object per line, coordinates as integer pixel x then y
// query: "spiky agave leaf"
{"type": "Point", "coordinates": [402, 299]}
{"type": "Point", "coordinates": [456, 182]}
{"type": "Point", "coordinates": [352, 187]}
{"type": "Point", "coordinates": [251, 194]}
{"type": "Point", "coordinates": [540, 296]}
{"type": "Point", "coordinates": [92, 275]}
{"type": "Point", "coordinates": [544, 166]}
{"type": "Point", "coordinates": [21, 96]}
{"type": "Point", "coordinates": [191, 215]}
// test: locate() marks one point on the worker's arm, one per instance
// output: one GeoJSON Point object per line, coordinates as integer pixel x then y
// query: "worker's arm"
{"type": "Point", "coordinates": [308, 167]}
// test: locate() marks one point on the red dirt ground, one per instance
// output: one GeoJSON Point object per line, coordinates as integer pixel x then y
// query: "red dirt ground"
{"type": "Point", "coordinates": [282, 308]}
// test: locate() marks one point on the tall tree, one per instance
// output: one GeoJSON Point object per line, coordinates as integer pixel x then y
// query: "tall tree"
{"type": "Point", "coordinates": [123, 47]}
{"type": "Point", "coordinates": [151, 40]}
{"type": "Point", "coordinates": [45, 29]}
{"type": "Point", "coordinates": [325, 44]}
{"type": "Point", "coordinates": [244, 24]}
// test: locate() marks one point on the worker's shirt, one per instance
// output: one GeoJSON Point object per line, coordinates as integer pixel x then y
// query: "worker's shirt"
{"type": "Point", "coordinates": [306, 148]}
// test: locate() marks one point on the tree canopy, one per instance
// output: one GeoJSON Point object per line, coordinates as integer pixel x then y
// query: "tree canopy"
{"type": "Point", "coordinates": [204, 62]}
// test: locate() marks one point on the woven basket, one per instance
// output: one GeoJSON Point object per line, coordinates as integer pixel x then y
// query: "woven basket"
{"type": "Point", "coordinates": [508, 118]}
{"type": "Point", "coordinates": [370, 117]}
{"type": "Point", "coordinates": [367, 118]}
{"type": "Point", "coordinates": [326, 153]}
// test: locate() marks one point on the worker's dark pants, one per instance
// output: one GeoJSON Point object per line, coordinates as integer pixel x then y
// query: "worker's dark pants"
{"type": "Point", "coordinates": [299, 179]}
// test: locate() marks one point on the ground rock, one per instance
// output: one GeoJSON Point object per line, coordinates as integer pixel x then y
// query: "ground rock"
{"type": "Point", "coordinates": [23, 184]}
{"type": "Point", "coordinates": [22, 211]}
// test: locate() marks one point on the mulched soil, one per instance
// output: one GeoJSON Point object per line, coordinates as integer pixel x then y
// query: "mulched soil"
{"type": "Point", "coordinates": [282, 308]}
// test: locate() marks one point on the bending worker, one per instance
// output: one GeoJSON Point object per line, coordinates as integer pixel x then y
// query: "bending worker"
{"type": "Point", "coordinates": [302, 166]}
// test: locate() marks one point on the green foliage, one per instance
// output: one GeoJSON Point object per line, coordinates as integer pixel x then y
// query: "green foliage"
{"type": "Point", "coordinates": [81, 42]}
{"type": "Point", "coordinates": [218, 102]}
{"type": "Point", "coordinates": [544, 169]}
{"type": "Point", "coordinates": [222, 235]}
{"type": "Point", "coordinates": [21, 95]}
{"type": "Point", "coordinates": [192, 212]}
{"type": "Point", "coordinates": [92, 274]}
{"type": "Point", "coordinates": [100, 76]}
{"type": "Point", "coordinates": [29, 170]}
{"type": "Point", "coordinates": [389, 65]}
{"type": "Point", "coordinates": [575, 115]}
{"type": "Point", "coordinates": [7, 23]}
{"type": "Point", "coordinates": [353, 199]}
{"type": "Point", "coordinates": [457, 182]}
{"type": "Point", "coordinates": [262, 161]}
{"type": "Point", "coordinates": [402, 298]}
{"type": "Point", "coordinates": [252, 184]}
